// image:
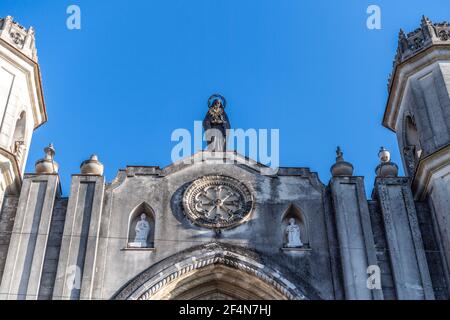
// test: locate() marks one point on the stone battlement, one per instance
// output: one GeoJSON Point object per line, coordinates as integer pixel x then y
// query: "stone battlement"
{"type": "Point", "coordinates": [19, 37]}
{"type": "Point", "coordinates": [422, 38]}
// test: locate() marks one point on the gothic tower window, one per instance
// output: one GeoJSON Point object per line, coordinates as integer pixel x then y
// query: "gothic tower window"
{"type": "Point", "coordinates": [141, 229]}
{"type": "Point", "coordinates": [18, 145]}
{"type": "Point", "coordinates": [412, 149]}
{"type": "Point", "coordinates": [295, 228]}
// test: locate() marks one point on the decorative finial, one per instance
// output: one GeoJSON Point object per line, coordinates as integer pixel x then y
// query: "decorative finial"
{"type": "Point", "coordinates": [425, 20]}
{"type": "Point", "coordinates": [341, 167]}
{"type": "Point", "coordinates": [47, 165]}
{"type": "Point", "coordinates": [50, 151]}
{"type": "Point", "coordinates": [384, 155]}
{"type": "Point", "coordinates": [386, 168]}
{"type": "Point", "coordinates": [339, 154]}
{"type": "Point", "coordinates": [92, 166]}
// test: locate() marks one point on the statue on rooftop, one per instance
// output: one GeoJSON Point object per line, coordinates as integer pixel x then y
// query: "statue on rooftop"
{"type": "Point", "coordinates": [216, 124]}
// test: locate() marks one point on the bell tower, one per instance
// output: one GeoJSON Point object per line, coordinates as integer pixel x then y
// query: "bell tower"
{"type": "Point", "coordinates": [418, 111]}
{"type": "Point", "coordinates": [22, 107]}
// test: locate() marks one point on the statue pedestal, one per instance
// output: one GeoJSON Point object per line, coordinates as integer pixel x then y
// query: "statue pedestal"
{"type": "Point", "coordinates": [139, 245]}
{"type": "Point", "coordinates": [214, 157]}
{"type": "Point", "coordinates": [136, 249]}
{"type": "Point", "coordinates": [299, 249]}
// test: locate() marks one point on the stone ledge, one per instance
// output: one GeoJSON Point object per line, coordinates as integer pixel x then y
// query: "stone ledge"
{"type": "Point", "coordinates": [304, 249]}
{"type": "Point", "coordinates": [138, 249]}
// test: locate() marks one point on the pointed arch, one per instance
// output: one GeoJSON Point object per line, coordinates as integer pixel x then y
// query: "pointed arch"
{"type": "Point", "coordinates": [294, 212]}
{"type": "Point", "coordinates": [135, 217]}
{"type": "Point", "coordinates": [209, 271]}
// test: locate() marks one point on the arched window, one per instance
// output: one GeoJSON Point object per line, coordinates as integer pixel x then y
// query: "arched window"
{"type": "Point", "coordinates": [141, 227]}
{"type": "Point", "coordinates": [295, 228]}
{"type": "Point", "coordinates": [18, 145]}
{"type": "Point", "coordinates": [412, 149]}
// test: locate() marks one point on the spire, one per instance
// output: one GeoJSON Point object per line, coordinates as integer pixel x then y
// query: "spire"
{"type": "Point", "coordinates": [425, 21]}
{"type": "Point", "coordinates": [341, 167]}
{"type": "Point", "coordinates": [339, 154]}
{"type": "Point", "coordinates": [47, 165]}
{"type": "Point", "coordinates": [427, 28]}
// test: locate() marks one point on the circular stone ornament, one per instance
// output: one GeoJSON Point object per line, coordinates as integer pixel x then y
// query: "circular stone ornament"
{"type": "Point", "coordinates": [217, 202]}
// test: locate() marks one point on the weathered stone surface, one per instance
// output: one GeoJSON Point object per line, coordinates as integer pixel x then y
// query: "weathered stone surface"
{"type": "Point", "coordinates": [263, 232]}
{"type": "Point", "coordinates": [7, 217]}
{"type": "Point", "coordinates": [80, 239]}
{"type": "Point", "coordinates": [355, 235]}
{"type": "Point", "coordinates": [29, 239]}
{"type": "Point", "coordinates": [79, 247]}
{"type": "Point", "coordinates": [404, 241]}
{"type": "Point", "coordinates": [418, 111]}
{"type": "Point", "coordinates": [435, 257]}
{"type": "Point", "coordinates": [383, 258]}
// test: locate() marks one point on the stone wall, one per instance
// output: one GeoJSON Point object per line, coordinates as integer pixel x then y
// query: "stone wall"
{"type": "Point", "coordinates": [85, 237]}
{"type": "Point", "coordinates": [263, 233]}
{"type": "Point", "coordinates": [7, 217]}
{"type": "Point", "coordinates": [53, 249]}
{"type": "Point", "coordinates": [384, 260]}
{"type": "Point", "coordinates": [434, 256]}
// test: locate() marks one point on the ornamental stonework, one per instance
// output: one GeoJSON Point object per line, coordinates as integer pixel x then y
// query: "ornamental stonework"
{"type": "Point", "coordinates": [410, 44]}
{"type": "Point", "coordinates": [217, 202]}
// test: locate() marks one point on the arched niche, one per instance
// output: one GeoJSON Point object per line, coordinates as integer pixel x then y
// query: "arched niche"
{"type": "Point", "coordinates": [293, 212]}
{"type": "Point", "coordinates": [18, 143]}
{"type": "Point", "coordinates": [412, 149]}
{"type": "Point", "coordinates": [141, 217]}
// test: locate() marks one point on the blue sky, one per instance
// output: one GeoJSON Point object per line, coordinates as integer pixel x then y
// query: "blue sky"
{"type": "Point", "coordinates": [137, 70]}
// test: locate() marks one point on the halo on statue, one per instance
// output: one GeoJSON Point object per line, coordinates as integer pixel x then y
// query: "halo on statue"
{"type": "Point", "coordinates": [216, 97]}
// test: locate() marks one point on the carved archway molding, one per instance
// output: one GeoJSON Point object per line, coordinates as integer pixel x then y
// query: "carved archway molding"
{"type": "Point", "coordinates": [150, 283]}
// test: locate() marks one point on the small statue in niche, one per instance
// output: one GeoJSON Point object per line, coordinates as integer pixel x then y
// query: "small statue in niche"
{"type": "Point", "coordinates": [293, 235]}
{"type": "Point", "coordinates": [19, 150]}
{"type": "Point", "coordinates": [216, 124]}
{"type": "Point", "coordinates": [142, 230]}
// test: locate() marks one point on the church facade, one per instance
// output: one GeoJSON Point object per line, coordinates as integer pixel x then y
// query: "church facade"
{"type": "Point", "coordinates": [215, 226]}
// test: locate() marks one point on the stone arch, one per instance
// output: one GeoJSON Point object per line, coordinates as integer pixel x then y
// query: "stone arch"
{"type": "Point", "coordinates": [294, 212]}
{"type": "Point", "coordinates": [210, 271]}
{"type": "Point", "coordinates": [134, 217]}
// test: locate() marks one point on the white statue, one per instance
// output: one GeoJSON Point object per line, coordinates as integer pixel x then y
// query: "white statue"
{"type": "Point", "coordinates": [293, 235]}
{"type": "Point", "coordinates": [19, 150]}
{"type": "Point", "coordinates": [142, 230]}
